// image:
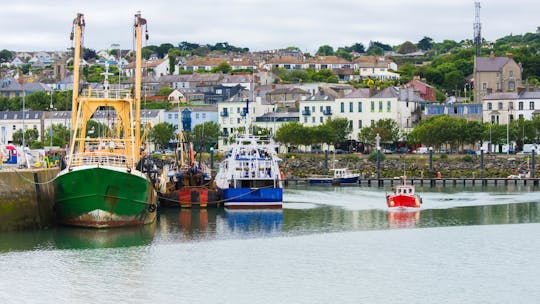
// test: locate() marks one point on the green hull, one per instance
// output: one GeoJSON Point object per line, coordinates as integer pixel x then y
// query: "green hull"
{"type": "Point", "coordinates": [102, 197]}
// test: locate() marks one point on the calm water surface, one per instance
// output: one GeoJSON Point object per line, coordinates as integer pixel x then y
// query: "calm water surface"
{"type": "Point", "coordinates": [327, 245]}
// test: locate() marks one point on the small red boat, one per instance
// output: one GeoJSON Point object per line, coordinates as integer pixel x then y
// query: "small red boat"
{"type": "Point", "coordinates": [404, 196]}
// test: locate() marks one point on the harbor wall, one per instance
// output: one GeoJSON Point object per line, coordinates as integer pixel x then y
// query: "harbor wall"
{"type": "Point", "coordinates": [26, 198]}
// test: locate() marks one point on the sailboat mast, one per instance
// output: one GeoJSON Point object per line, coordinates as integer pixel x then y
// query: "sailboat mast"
{"type": "Point", "coordinates": [78, 24]}
{"type": "Point", "coordinates": [139, 22]}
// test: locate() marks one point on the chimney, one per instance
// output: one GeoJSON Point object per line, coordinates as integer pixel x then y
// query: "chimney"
{"type": "Point", "coordinates": [491, 55]}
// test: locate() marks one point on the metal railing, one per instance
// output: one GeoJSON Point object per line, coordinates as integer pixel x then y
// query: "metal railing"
{"type": "Point", "coordinates": [98, 158]}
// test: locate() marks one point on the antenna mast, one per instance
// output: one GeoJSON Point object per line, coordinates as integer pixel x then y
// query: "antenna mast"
{"type": "Point", "coordinates": [477, 28]}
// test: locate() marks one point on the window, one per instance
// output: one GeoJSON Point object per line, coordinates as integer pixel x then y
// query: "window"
{"type": "Point", "coordinates": [489, 106]}
{"type": "Point", "coordinates": [238, 110]}
{"type": "Point", "coordinates": [196, 115]}
{"type": "Point", "coordinates": [342, 107]}
{"type": "Point", "coordinates": [510, 106]}
{"type": "Point", "coordinates": [204, 115]}
{"type": "Point", "coordinates": [372, 122]}
{"type": "Point", "coordinates": [313, 109]}
{"type": "Point", "coordinates": [520, 117]}
{"type": "Point", "coordinates": [510, 118]}
{"type": "Point", "coordinates": [359, 124]}
{"type": "Point", "coordinates": [531, 105]}
{"type": "Point", "coordinates": [520, 105]}
{"type": "Point", "coordinates": [484, 86]}
{"type": "Point", "coordinates": [498, 74]}
{"type": "Point", "coordinates": [500, 106]}
{"type": "Point", "coordinates": [305, 119]}
{"type": "Point", "coordinates": [511, 73]}
{"type": "Point", "coordinates": [169, 115]}
{"type": "Point", "coordinates": [14, 128]}
{"type": "Point", "coordinates": [359, 107]}
{"type": "Point", "coordinates": [373, 106]}
{"type": "Point", "coordinates": [238, 120]}
{"type": "Point", "coordinates": [388, 106]}
{"type": "Point", "coordinates": [380, 106]}
{"type": "Point", "coordinates": [321, 109]}
{"type": "Point", "coordinates": [35, 127]}
{"type": "Point", "coordinates": [313, 119]}
{"type": "Point", "coordinates": [351, 107]}
{"type": "Point", "coordinates": [176, 115]}
{"type": "Point", "coordinates": [321, 119]}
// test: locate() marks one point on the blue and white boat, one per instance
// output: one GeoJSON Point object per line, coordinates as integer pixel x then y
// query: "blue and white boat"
{"type": "Point", "coordinates": [341, 176]}
{"type": "Point", "coordinates": [249, 176]}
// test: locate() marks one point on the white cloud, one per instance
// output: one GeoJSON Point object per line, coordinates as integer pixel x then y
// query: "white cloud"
{"type": "Point", "coordinates": [258, 24]}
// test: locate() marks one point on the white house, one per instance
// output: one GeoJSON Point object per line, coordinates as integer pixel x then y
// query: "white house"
{"type": "Point", "coordinates": [12, 121]}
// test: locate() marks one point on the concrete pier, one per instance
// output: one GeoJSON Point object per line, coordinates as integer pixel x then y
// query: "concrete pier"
{"type": "Point", "coordinates": [26, 198]}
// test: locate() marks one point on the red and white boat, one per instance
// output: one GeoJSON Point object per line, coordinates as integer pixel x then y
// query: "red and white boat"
{"type": "Point", "coordinates": [403, 196]}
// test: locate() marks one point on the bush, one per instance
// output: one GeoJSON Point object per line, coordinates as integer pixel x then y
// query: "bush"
{"type": "Point", "coordinates": [444, 156]}
{"type": "Point", "coordinates": [372, 157]}
{"type": "Point", "coordinates": [467, 158]}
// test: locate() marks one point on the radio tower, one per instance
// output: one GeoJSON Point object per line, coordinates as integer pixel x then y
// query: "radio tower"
{"type": "Point", "coordinates": [477, 29]}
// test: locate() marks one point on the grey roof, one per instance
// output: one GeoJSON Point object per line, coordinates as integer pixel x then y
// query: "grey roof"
{"type": "Point", "coordinates": [390, 92]}
{"type": "Point", "coordinates": [501, 95]}
{"type": "Point", "coordinates": [18, 115]}
{"type": "Point", "coordinates": [408, 94]}
{"type": "Point", "coordinates": [358, 93]}
{"type": "Point", "coordinates": [175, 78]}
{"type": "Point", "coordinates": [280, 114]}
{"type": "Point", "coordinates": [10, 84]}
{"type": "Point", "coordinates": [487, 64]}
{"type": "Point", "coordinates": [195, 109]}
{"type": "Point", "coordinates": [36, 87]}
{"type": "Point", "coordinates": [530, 95]}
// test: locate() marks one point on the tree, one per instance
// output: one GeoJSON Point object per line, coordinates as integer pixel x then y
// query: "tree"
{"type": "Point", "coordinates": [162, 133]}
{"type": "Point", "coordinates": [89, 54]}
{"type": "Point", "coordinates": [342, 53]}
{"type": "Point", "coordinates": [163, 49]}
{"type": "Point", "coordinates": [387, 129]}
{"type": "Point", "coordinates": [172, 64]}
{"type": "Point", "coordinates": [325, 50]}
{"type": "Point", "coordinates": [96, 129]}
{"type": "Point", "coordinates": [223, 67]}
{"type": "Point", "coordinates": [425, 43]}
{"type": "Point", "coordinates": [205, 134]}
{"type": "Point", "coordinates": [341, 129]}
{"type": "Point", "coordinates": [375, 50]}
{"type": "Point", "coordinates": [5, 56]}
{"type": "Point", "coordinates": [60, 135]}
{"type": "Point", "coordinates": [407, 47]}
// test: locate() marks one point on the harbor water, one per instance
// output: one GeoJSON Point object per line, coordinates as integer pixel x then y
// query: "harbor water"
{"type": "Point", "coordinates": [327, 245]}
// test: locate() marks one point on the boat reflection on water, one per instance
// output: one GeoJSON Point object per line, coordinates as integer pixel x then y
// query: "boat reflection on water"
{"type": "Point", "coordinates": [266, 221]}
{"type": "Point", "coordinates": [88, 238]}
{"type": "Point", "coordinates": [193, 221]}
{"type": "Point", "coordinates": [403, 218]}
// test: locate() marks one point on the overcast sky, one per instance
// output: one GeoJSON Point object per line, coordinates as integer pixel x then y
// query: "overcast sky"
{"type": "Point", "coordinates": [32, 25]}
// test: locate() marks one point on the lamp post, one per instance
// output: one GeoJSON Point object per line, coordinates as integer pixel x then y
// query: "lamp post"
{"type": "Point", "coordinates": [51, 129]}
{"type": "Point", "coordinates": [116, 45]}
{"type": "Point", "coordinates": [378, 166]}
{"type": "Point", "coordinates": [430, 159]}
{"type": "Point", "coordinates": [533, 162]}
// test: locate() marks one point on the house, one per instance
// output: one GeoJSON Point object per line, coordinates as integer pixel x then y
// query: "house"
{"type": "Point", "coordinates": [12, 121]}
{"type": "Point", "coordinates": [16, 62]}
{"type": "Point", "coordinates": [495, 74]}
{"type": "Point", "coordinates": [286, 62]}
{"type": "Point", "coordinates": [203, 63]}
{"type": "Point", "coordinates": [285, 93]}
{"type": "Point", "coordinates": [326, 63]}
{"type": "Point", "coordinates": [426, 91]}
{"type": "Point", "coordinates": [152, 68]}
{"type": "Point", "coordinates": [505, 107]}
{"type": "Point", "coordinates": [192, 116]}
{"type": "Point", "coordinates": [10, 87]}
{"type": "Point", "coordinates": [376, 67]}
{"type": "Point", "coordinates": [221, 93]}
{"type": "Point", "coordinates": [176, 96]}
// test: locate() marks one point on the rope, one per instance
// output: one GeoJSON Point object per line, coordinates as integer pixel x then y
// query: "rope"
{"type": "Point", "coordinates": [31, 181]}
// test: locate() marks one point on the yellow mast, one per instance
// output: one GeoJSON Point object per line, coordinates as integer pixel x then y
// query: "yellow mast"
{"type": "Point", "coordinates": [78, 24]}
{"type": "Point", "coordinates": [139, 22]}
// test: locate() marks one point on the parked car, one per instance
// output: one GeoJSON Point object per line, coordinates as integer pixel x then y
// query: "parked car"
{"type": "Point", "coordinates": [421, 150]}
{"type": "Point", "coordinates": [341, 151]}
{"type": "Point", "coordinates": [402, 150]}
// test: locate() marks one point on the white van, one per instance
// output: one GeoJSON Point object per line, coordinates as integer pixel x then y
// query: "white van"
{"type": "Point", "coordinates": [421, 150]}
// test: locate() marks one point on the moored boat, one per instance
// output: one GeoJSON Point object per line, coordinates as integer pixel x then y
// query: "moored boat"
{"type": "Point", "coordinates": [249, 177]}
{"type": "Point", "coordinates": [341, 176]}
{"type": "Point", "coordinates": [404, 196]}
{"type": "Point", "coordinates": [101, 185]}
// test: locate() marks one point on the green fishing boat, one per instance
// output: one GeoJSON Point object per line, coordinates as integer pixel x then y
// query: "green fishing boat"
{"type": "Point", "coordinates": [102, 184]}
